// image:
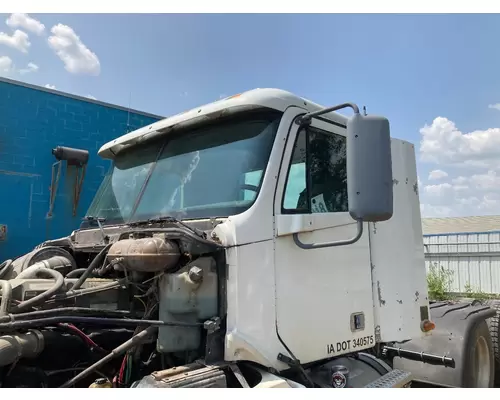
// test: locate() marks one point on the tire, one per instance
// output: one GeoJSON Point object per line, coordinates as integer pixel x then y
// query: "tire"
{"type": "Point", "coordinates": [479, 371]}
{"type": "Point", "coordinates": [493, 325]}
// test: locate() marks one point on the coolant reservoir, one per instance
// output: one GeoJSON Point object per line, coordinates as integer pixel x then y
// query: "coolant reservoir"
{"type": "Point", "coordinates": [188, 295]}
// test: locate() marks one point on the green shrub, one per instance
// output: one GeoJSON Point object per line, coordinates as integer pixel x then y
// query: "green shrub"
{"type": "Point", "coordinates": [476, 294]}
{"type": "Point", "coordinates": [438, 282]}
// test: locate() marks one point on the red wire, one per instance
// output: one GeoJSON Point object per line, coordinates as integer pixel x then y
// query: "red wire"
{"type": "Point", "coordinates": [122, 369]}
{"type": "Point", "coordinates": [86, 338]}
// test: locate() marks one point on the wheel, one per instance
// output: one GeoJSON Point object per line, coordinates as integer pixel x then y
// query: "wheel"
{"type": "Point", "coordinates": [493, 324]}
{"type": "Point", "coordinates": [479, 371]}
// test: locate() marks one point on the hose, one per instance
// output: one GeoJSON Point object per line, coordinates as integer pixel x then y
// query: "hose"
{"type": "Point", "coordinates": [20, 345]}
{"type": "Point", "coordinates": [95, 262]}
{"type": "Point", "coordinates": [70, 311]}
{"type": "Point", "coordinates": [4, 268]}
{"type": "Point", "coordinates": [135, 340]}
{"type": "Point", "coordinates": [6, 297]}
{"type": "Point", "coordinates": [54, 262]}
{"type": "Point", "coordinates": [93, 321]}
{"type": "Point", "coordinates": [33, 270]}
{"type": "Point", "coordinates": [76, 272]}
{"type": "Point", "coordinates": [81, 292]}
{"type": "Point", "coordinates": [59, 282]}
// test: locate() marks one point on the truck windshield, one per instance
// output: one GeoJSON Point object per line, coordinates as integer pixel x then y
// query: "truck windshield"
{"type": "Point", "coordinates": [211, 171]}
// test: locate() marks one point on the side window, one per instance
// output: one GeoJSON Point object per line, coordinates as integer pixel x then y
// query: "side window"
{"type": "Point", "coordinates": [252, 178]}
{"type": "Point", "coordinates": [317, 177]}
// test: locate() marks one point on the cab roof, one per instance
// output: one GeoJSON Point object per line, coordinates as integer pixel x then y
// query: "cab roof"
{"type": "Point", "coordinates": [271, 98]}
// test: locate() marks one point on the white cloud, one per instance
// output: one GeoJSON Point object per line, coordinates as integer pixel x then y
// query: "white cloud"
{"type": "Point", "coordinates": [89, 96]}
{"type": "Point", "coordinates": [32, 67]}
{"type": "Point", "coordinates": [77, 58]}
{"type": "Point", "coordinates": [19, 20]}
{"type": "Point", "coordinates": [438, 191]}
{"type": "Point", "coordinates": [19, 40]}
{"type": "Point", "coordinates": [471, 183]}
{"type": "Point", "coordinates": [444, 144]}
{"type": "Point", "coordinates": [437, 174]}
{"type": "Point", "coordinates": [49, 86]}
{"type": "Point", "coordinates": [494, 106]}
{"type": "Point", "coordinates": [475, 194]}
{"type": "Point", "coordinates": [5, 65]}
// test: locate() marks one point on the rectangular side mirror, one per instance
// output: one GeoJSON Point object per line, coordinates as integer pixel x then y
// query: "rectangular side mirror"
{"type": "Point", "coordinates": [369, 168]}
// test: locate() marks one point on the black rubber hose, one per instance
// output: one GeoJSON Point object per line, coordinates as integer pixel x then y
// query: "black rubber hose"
{"type": "Point", "coordinates": [33, 323]}
{"type": "Point", "coordinates": [134, 341]}
{"type": "Point", "coordinates": [95, 262]}
{"type": "Point", "coordinates": [59, 283]}
{"type": "Point", "coordinates": [76, 273]}
{"type": "Point", "coordinates": [69, 311]}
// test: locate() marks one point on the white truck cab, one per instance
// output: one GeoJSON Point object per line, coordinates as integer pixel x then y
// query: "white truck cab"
{"type": "Point", "coordinates": [292, 181]}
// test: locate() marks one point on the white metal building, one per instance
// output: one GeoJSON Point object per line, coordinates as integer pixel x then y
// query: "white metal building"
{"type": "Point", "coordinates": [467, 246]}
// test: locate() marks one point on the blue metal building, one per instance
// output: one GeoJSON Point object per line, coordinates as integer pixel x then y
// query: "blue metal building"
{"type": "Point", "coordinates": [34, 204]}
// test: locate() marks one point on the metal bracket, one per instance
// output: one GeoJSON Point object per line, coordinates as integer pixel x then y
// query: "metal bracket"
{"type": "Point", "coordinates": [288, 361]}
{"type": "Point", "coordinates": [306, 119]}
{"type": "Point", "coordinates": [214, 346]}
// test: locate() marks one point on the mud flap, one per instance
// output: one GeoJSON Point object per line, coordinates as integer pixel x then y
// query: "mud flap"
{"type": "Point", "coordinates": [459, 326]}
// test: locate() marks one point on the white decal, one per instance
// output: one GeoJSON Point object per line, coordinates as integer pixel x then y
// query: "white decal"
{"type": "Point", "coordinates": [318, 204]}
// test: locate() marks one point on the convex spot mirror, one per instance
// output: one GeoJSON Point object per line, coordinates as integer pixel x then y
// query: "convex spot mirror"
{"type": "Point", "coordinates": [369, 168]}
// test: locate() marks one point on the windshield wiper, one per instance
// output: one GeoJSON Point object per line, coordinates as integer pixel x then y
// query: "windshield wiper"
{"type": "Point", "coordinates": [197, 232]}
{"type": "Point", "coordinates": [91, 219]}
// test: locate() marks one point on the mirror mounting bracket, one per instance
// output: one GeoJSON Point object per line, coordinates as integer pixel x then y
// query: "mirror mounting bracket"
{"type": "Point", "coordinates": [306, 119]}
{"type": "Point", "coordinates": [311, 246]}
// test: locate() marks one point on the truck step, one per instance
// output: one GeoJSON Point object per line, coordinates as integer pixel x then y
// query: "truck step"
{"type": "Point", "coordinates": [394, 379]}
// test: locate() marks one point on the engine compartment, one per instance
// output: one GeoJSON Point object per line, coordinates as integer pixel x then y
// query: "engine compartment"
{"type": "Point", "coordinates": [106, 307]}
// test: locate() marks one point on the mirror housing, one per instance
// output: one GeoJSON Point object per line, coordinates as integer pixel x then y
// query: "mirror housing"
{"type": "Point", "coordinates": [369, 168]}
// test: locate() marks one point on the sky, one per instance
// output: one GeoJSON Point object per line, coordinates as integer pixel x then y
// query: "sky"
{"type": "Point", "coordinates": [436, 77]}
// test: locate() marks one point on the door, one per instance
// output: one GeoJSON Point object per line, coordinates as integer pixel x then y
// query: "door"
{"type": "Point", "coordinates": [324, 304]}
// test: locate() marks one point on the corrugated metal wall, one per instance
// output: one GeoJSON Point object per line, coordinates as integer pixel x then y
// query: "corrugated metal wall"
{"type": "Point", "coordinates": [473, 259]}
